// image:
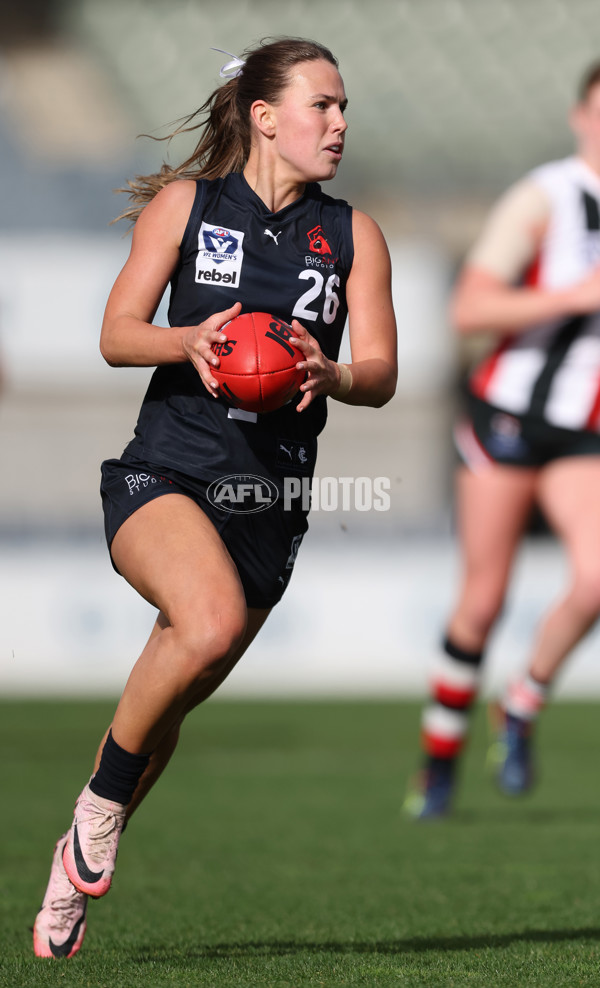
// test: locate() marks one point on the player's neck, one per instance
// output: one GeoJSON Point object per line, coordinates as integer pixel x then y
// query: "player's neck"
{"type": "Point", "coordinates": [276, 191]}
{"type": "Point", "coordinates": [592, 160]}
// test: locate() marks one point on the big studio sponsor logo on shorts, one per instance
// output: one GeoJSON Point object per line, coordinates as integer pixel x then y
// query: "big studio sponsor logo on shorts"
{"type": "Point", "coordinates": [250, 493]}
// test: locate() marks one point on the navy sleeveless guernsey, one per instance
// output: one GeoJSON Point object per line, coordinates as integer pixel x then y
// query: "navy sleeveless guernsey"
{"type": "Point", "coordinates": [293, 264]}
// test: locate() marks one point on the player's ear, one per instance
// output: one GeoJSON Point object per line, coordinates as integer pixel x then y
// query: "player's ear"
{"type": "Point", "coordinates": [261, 113]}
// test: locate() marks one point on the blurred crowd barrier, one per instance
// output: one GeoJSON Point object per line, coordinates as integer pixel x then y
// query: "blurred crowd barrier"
{"type": "Point", "coordinates": [361, 618]}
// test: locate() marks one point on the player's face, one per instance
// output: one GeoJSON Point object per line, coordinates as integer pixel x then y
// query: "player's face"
{"type": "Point", "coordinates": [309, 119]}
{"type": "Point", "coordinates": [586, 123]}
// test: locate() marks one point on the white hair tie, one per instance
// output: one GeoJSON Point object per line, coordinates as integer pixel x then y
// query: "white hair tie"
{"type": "Point", "coordinates": [231, 70]}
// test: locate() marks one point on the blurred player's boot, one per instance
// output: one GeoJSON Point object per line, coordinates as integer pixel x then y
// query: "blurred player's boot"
{"type": "Point", "coordinates": [512, 754]}
{"type": "Point", "coordinates": [515, 772]}
{"type": "Point", "coordinates": [60, 924]}
{"type": "Point", "coordinates": [432, 797]}
{"type": "Point", "coordinates": [92, 843]}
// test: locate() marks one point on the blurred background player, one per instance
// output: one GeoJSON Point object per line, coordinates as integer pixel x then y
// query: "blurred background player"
{"type": "Point", "coordinates": [530, 435]}
{"type": "Point", "coordinates": [271, 132]}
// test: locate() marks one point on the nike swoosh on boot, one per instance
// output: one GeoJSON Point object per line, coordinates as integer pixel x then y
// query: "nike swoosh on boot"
{"type": "Point", "coordinates": [84, 872]}
{"type": "Point", "coordinates": [64, 949]}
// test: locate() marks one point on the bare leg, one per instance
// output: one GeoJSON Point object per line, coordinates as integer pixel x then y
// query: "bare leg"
{"type": "Point", "coordinates": [171, 553]}
{"type": "Point", "coordinates": [173, 556]}
{"type": "Point", "coordinates": [569, 493]}
{"type": "Point", "coordinates": [493, 508]}
{"type": "Point", "coordinates": [162, 754]}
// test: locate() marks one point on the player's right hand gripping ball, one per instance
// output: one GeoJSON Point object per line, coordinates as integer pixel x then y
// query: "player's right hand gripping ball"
{"type": "Point", "coordinates": [257, 370]}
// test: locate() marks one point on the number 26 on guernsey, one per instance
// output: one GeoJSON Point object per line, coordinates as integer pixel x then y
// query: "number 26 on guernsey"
{"type": "Point", "coordinates": [331, 301]}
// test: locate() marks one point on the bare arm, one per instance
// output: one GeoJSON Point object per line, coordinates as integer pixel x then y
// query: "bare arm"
{"type": "Point", "coordinates": [481, 301]}
{"type": "Point", "coordinates": [487, 295]}
{"type": "Point", "coordinates": [128, 337]}
{"type": "Point", "coordinates": [372, 326]}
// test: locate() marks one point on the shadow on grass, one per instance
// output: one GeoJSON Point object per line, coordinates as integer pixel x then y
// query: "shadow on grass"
{"type": "Point", "coordinates": [284, 948]}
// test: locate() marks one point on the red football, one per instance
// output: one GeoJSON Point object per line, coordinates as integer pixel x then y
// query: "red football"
{"type": "Point", "coordinates": [258, 363]}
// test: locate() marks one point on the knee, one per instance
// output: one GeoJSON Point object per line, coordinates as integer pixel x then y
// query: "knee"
{"type": "Point", "coordinates": [207, 644]}
{"type": "Point", "coordinates": [480, 608]}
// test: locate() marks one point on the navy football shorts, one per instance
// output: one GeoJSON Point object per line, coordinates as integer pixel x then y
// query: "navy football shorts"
{"type": "Point", "coordinates": [490, 435]}
{"type": "Point", "coordinates": [263, 544]}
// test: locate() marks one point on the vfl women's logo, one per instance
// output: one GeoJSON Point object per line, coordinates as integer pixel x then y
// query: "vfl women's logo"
{"type": "Point", "coordinates": [220, 243]}
{"type": "Point", "coordinates": [220, 256]}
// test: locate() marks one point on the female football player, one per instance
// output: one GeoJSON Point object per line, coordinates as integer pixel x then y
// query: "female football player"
{"type": "Point", "coordinates": [241, 226]}
{"type": "Point", "coordinates": [531, 435]}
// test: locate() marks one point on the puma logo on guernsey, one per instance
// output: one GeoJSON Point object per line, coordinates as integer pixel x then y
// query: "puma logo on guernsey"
{"type": "Point", "coordinates": [274, 236]}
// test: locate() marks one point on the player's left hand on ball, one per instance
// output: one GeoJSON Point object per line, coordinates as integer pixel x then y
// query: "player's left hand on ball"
{"type": "Point", "coordinates": [198, 341]}
{"type": "Point", "coordinates": [322, 373]}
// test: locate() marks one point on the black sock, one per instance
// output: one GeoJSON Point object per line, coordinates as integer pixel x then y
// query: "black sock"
{"type": "Point", "coordinates": [461, 654]}
{"type": "Point", "coordinates": [118, 773]}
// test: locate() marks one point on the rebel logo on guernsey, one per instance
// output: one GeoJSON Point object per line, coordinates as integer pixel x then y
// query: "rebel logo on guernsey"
{"type": "Point", "coordinates": [220, 256]}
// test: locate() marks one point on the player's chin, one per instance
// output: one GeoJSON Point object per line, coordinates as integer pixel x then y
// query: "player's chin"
{"type": "Point", "coordinates": [331, 171]}
{"type": "Point", "coordinates": [327, 170]}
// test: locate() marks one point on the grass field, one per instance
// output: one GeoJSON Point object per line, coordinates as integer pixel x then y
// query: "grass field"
{"type": "Point", "coordinates": [274, 852]}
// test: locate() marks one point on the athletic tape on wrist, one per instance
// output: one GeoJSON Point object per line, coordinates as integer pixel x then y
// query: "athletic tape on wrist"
{"type": "Point", "coordinates": [345, 382]}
